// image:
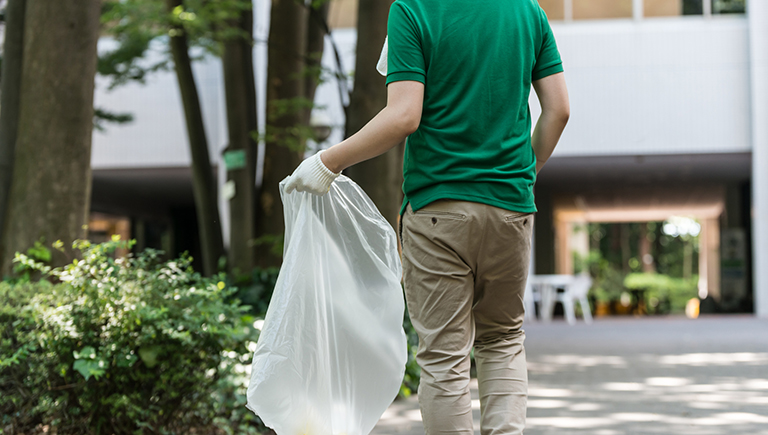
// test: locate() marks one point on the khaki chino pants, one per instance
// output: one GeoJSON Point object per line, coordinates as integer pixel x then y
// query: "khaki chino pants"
{"type": "Point", "coordinates": [464, 269]}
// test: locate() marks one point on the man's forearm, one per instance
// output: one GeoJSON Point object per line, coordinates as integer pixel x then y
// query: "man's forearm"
{"type": "Point", "coordinates": [546, 135]}
{"type": "Point", "coordinates": [382, 133]}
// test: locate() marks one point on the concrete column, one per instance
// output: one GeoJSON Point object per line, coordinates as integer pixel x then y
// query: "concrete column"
{"type": "Point", "coordinates": [758, 36]}
{"type": "Point", "coordinates": [637, 10]}
{"type": "Point", "coordinates": [568, 10]}
{"type": "Point", "coordinates": [579, 242]}
{"type": "Point", "coordinates": [571, 237]}
{"type": "Point", "coordinates": [709, 258]}
{"type": "Point", "coordinates": [703, 261]}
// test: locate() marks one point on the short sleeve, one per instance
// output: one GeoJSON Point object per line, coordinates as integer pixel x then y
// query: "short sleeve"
{"type": "Point", "coordinates": [548, 60]}
{"type": "Point", "coordinates": [405, 57]}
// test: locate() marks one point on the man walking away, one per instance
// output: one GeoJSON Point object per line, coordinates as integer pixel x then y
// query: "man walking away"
{"type": "Point", "coordinates": [459, 76]}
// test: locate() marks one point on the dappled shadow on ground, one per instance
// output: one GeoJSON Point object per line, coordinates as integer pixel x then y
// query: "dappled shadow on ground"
{"type": "Point", "coordinates": [649, 394]}
{"type": "Point", "coordinates": [649, 376]}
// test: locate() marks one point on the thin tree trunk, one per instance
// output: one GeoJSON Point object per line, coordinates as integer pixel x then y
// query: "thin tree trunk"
{"type": "Point", "coordinates": [657, 246]}
{"type": "Point", "coordinates": [644, 246]}
{"type": "Point", "coordinates": [316, 30]}
{"type": "Point", "coordinates": [10, 90]}
{"type": "Point", "coordinates": [51, 186]}
{"type": "Point", "coordinates": [204, 183]}
{"type": "Point", "coordinates": [381, 177]}
{"type": "Point", "coordinates": [594, 242]}
{"type": "Point", "coordinates": [625, 250]}
{"type": "Point", "coordinates": [286, 105]}
{"type": "Point", "coordinates": [687, 258]}
{"type": "Point", "coordinates": [241, 122]}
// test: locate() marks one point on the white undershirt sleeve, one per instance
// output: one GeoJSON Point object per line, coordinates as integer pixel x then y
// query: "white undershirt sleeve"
{"type": "Point", "coordinates": [381, 67]}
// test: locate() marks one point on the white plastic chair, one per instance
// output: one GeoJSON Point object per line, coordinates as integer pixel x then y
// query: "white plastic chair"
{"type": "Point", "coordinates": [530, 297]}
{"type": "Point", "coordinates": [576, 290]}
{"type": "Point", "coordinates": [544, 290]}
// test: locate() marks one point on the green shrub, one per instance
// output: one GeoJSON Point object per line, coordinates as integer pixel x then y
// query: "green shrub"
{"type": "Point", "coordinates": [123, 346]}
{"type": "Point", "coordinates": [663, 293]}
{"type": "Point", "coordinates": [608, 281]}
{"type": "Point", "coordinates": [255, 289]}
{"type": "Point", "coordinates": [412, 370]}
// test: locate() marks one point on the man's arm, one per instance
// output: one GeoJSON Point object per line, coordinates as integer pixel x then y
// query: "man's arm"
{"type": "Point", "coordinates": [555, 111]}
{"type": "Point", "coordinates": [391, 126]}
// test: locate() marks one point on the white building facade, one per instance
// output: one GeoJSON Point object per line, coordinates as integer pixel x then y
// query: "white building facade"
{"type": "Point", "coordinates": [669, 103]}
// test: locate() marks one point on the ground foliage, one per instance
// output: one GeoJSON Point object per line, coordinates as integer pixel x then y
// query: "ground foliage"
{"type": "Point", "coordinates": [132, 345]}
{"type": "Point", "coordinates": [664, 293]}
{"type": "Point", "coordinates": [123, 346]}
{"type": "Point", "coordinates": [616, 272]}
{"type": "Point", "coordinates": [412, 370]}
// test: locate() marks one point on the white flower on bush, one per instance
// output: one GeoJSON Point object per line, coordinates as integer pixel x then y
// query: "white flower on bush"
{"type": "Point", "coordinates": [251, 345]}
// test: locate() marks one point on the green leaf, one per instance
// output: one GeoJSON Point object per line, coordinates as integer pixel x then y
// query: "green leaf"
{"type": "Point", "coordinates": [87, 353]}
{"type": "Point", "coordinates": [149, 355]}
{"type": "Point", "coordinates": [89, 368]}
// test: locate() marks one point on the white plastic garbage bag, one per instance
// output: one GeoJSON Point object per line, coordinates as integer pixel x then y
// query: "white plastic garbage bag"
{"type": "Point", "coordinates": [332, 351]}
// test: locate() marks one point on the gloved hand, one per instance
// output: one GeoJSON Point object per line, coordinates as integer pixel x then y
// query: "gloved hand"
{"type": "Point", "coordinates": [311, 176]}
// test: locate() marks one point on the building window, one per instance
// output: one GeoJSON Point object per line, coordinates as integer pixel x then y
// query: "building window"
{"type": "Point", "coordinates": [692, 7]}
{"type": "Point", "coordinates": [729, 6]}
{"type": "Point", "coordinates": [601, 9]}
{"type": "Point", "coordinates": [604, 9]}
{"type": "Point", "coordinates": [672, 8]}
{"type": "Point", "coordinates": [555, 9]}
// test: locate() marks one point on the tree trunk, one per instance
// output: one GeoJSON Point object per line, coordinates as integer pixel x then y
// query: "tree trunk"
{"type": "Point", "coordinates": [625, 249]}
{"type": "Point", "coordinates": [644, 246]}
{"type": "Point", "coordinates": [10, 90]}
{"type": "Point", "coordinates": [381, 177]}
{"type": "Point", "coordinates": [316, 31]}
{"type": "Point", "coordinates": [687, 258]}
{"type": "Point", "coordinates": [286, 105]}
{"type": "Point", "coordinates": [241, 122]}
{"type": "Point", "coordinates": [51, 187]}
{"type": "Point", "coordinates": [203, 181]}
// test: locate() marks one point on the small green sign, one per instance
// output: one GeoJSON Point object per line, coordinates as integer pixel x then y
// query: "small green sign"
{"type": "Point", "coordinates": [234, 159]}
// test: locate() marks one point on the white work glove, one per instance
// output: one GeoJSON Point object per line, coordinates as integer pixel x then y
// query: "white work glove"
{"type": "Point", "coordinates": [311, 176]}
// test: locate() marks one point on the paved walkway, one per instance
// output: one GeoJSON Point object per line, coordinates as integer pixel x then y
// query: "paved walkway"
{"type": "Point", "coordinates": [636, 376]}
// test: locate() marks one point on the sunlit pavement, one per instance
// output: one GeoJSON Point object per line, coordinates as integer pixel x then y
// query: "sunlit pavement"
{"type": "Point", "coordinates": [636, 376]}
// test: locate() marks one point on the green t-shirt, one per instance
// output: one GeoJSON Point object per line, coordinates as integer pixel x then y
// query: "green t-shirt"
{"type": "Point", "coordinates": [477, 59]}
